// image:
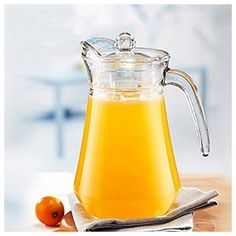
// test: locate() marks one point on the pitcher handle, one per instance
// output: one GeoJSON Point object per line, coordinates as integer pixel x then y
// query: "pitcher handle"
{"type": "Point", "coordinates": [185, 83]}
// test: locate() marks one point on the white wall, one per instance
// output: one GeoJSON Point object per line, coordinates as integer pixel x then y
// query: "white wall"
{"type": "Point", "coordinates": [45, 40]}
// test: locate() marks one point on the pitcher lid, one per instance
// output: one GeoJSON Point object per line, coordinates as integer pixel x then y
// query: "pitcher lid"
{"type": "Point", "coordinates": [123, 49]}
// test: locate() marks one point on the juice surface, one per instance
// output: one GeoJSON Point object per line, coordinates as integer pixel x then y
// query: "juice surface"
{"type": "Point", "coordinates": [126, 167]}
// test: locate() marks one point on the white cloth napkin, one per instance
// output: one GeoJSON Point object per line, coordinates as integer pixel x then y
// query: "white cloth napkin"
{"type": "Point", "coordinates": [178, 218]}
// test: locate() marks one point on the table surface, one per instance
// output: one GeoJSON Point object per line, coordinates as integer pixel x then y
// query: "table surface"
{"type": "Point", "coordinates": [217, 218]}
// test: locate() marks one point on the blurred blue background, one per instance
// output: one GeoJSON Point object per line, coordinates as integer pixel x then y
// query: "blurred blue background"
{"type": "Point", "coordinates": [46, 85]}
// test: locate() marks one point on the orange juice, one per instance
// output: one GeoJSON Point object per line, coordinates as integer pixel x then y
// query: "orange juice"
{"type": "Point", "coordinates": [126, 167]}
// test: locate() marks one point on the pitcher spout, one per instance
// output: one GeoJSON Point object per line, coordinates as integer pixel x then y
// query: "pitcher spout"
{"type": "Point", "coordinates": [96, 48]}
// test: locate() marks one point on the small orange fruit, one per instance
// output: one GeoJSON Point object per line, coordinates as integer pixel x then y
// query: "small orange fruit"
{"type": "Point", "coordinates": [49, 210]}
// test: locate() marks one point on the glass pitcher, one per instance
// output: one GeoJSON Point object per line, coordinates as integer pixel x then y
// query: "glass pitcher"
{"type": "Point", "coordinates": [126, 167]}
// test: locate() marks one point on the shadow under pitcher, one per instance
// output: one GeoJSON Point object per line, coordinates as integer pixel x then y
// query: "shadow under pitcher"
{"type": "Point", "coordinates": [126, 167]}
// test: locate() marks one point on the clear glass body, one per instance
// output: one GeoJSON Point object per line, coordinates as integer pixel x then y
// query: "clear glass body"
{"type": "Point", "coordinates": [126, 167]}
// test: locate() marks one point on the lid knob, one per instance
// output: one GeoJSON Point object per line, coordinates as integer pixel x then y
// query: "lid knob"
{"type": "Point", "coordinates": [125, 42]}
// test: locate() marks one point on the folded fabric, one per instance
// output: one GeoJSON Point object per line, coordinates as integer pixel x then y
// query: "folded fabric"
{"type": "Point", "coordinates": [178, 218]}
{"type": "Point", "coordinates": [181, 224]}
